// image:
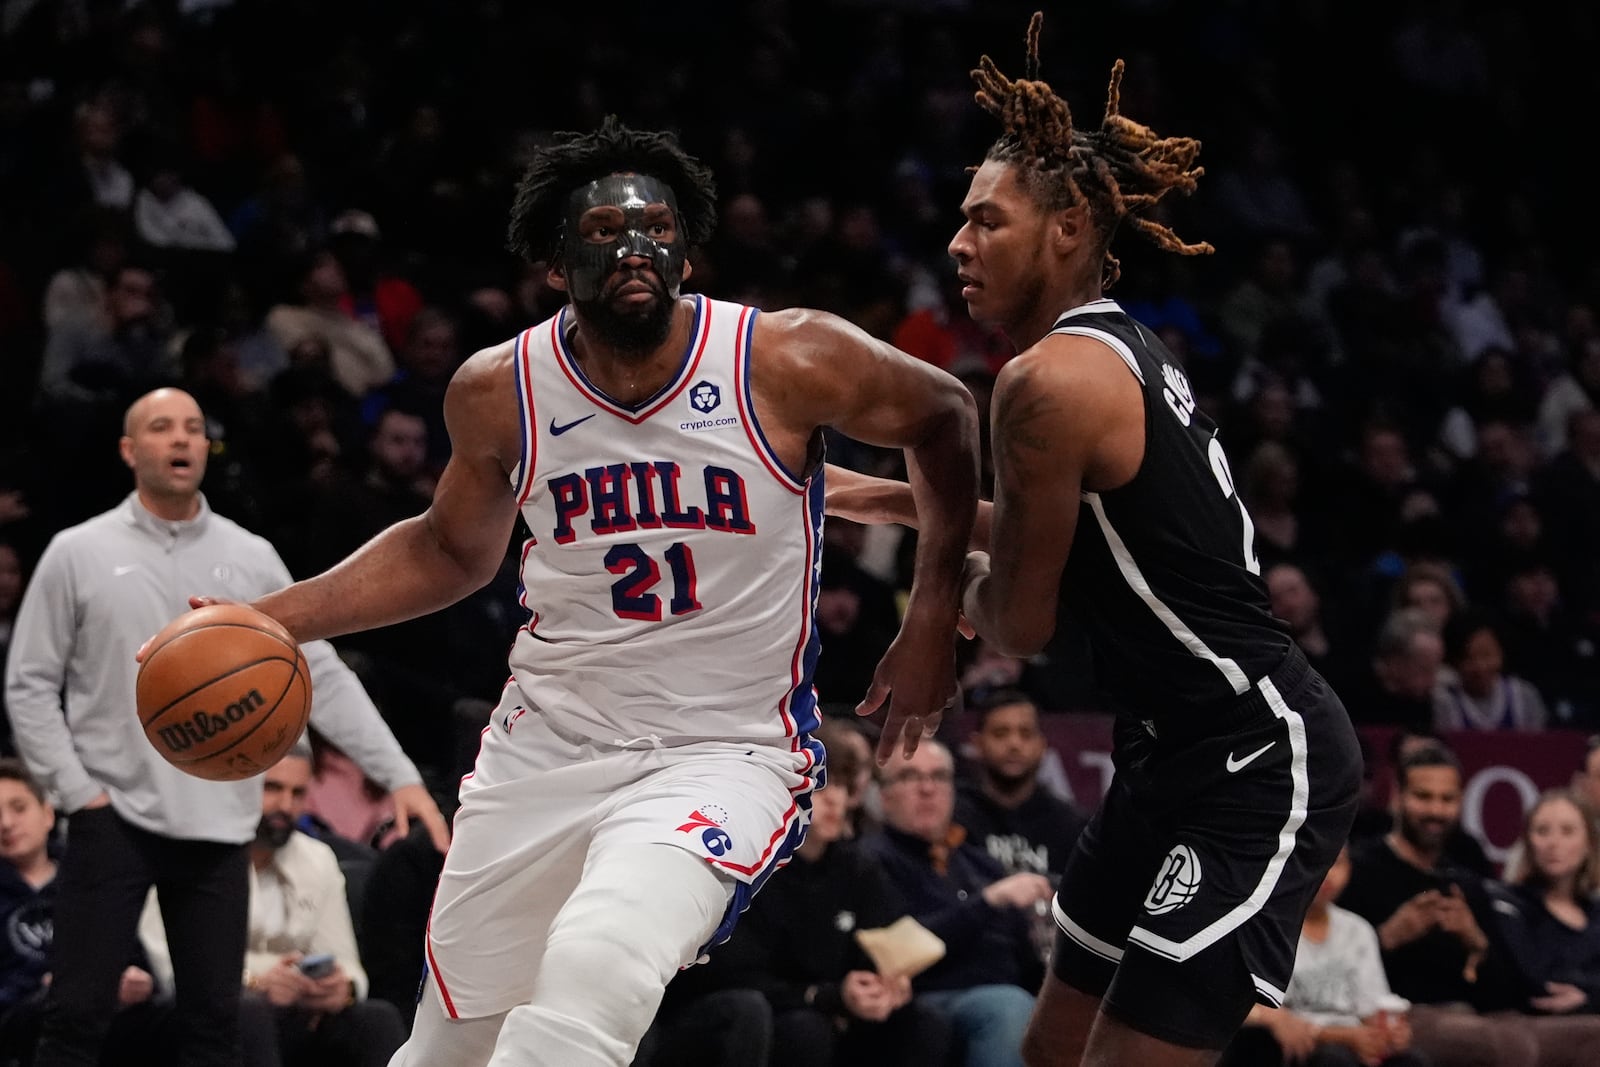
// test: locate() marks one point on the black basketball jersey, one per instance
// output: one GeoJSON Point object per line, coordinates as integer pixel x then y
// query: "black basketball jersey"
{"type": "Point", "coordinates": [1163, 575]}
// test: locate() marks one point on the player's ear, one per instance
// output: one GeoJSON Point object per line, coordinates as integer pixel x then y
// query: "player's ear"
{"type": "Point", "coordinates": [1070, 227]}
{"type": "Point", "coordinates": [125, 447]}
{"type": "Point", "coordinates": [688, 269]}
{"type": "Point", "coordinates": [556, 277]}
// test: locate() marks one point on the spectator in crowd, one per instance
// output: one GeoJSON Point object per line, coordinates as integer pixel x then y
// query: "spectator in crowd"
{"type": "Point", "coordinates": [1270, 488]}
{"type": "Point", "coordinates": [1569, 489]}
{"type": "Point", "coordinates": [1338, 1010]}
{"type": "Point", "coordinates": [377, 295]}
{"type": "Point", "coordinates": [1461, 847]}
{"type": "Point", "coordinates": [1430, 589]}
{"type": "Point", "coordinates": [1549, 922]}
{"type": "Point", "coordinates": [344, 802]}
{"type": "Point", "coordinates": [75, 297]}
{"type": "Point", "coordinates": [796, 946]}
{"type": "Point", "coordinates": [110, 363]}
{"type": "Point", "coordinates": [984, 983]}
{"type": "Point", "coordinates": [101, 589]}
{"type": "Point", "coordinates": [170, 214]}
{"type": "Point", "coordinates": [1405, 672]}
{"type": "Point", "coordinates": [30, 854]}
{"type": "Point", "coordinates": [1586, 779]}
{"type": "Point", "coordinates": [393, 922]}
{"type": "Point", "coordinates": [1431, 916]}
{"type": "Point", "coordinates": [1576, 390]}
{"type": "Point", "coordinates": [1296, 601]}
{"type": "Point", "coordinates": [1550, 640]}
{"type": "Point", "coordinates": [358, 357]}
{"type": "Point", "coordinates": [722, 1028]}
{"type": "Point", "coordinates": [1495, 390]}
{"type": "Point", "coordinates": [428, 356]}
{"type": "Point", "coordinates": [850, 766]}
{"type": "Point", "coordinates": [305, 991]}
{"type": "Point", "coordinates": [1478, 693]}
{"type": "Point", "coordinates": [96, 174]}
{"type": "Point", "coordinates": [11, 583]}
{"type": "Point", "coordinates": [1378, 485]}
{"type": "Point", "coordinates": [856, 619]}
{"type": "Point", "coordinates": [1004, 809]}
{"type": "Point", "coordinates": [1551, 931]}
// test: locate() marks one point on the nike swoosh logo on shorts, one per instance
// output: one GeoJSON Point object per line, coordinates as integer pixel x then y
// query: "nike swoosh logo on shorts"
{"type": "Point", "coordinates": [557, 431]}
{"type": "Point", "coordinates": [1237, 765]}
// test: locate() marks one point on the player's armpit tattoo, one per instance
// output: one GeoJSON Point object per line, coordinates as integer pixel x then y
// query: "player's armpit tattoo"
{"type": "Point", "coordinates": [1022, 422]}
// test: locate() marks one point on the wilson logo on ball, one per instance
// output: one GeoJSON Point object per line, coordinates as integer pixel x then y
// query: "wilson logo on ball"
{"type": "Point", "coordinates": [204, 725]}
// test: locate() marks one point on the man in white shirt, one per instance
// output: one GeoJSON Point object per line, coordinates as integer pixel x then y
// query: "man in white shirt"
{"type": "Point", "coordinates": [305, 989]}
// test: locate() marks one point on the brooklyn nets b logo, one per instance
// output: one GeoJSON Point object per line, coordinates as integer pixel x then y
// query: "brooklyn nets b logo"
{"type": "Point", "coordinates": [1177, 883]}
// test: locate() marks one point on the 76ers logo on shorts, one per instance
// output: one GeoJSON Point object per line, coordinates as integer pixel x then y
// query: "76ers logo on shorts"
{"type": "Point", "coordinates": [712, 836]}
{"type": "Point", "coordinates": [1177, 882]}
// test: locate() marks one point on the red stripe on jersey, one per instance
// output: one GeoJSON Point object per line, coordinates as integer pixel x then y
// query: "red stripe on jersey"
{"type": "Point", "coordinates": [741, 372]}
{"type": "Point", "coordinates": [530, 441]}
{"type": "Point", "coordinates": [568, 367]}
{"type": "Point", "coordinates": [791, 729]}
{"type": "Point", "coordinates": [438, 979]}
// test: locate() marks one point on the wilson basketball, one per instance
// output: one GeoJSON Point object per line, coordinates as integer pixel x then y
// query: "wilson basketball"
{"type": "Point", "coordinates": [223, 692]}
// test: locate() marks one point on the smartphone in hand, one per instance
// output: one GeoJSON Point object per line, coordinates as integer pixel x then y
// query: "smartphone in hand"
{"type": "Point", "coordinates": [318, 966]}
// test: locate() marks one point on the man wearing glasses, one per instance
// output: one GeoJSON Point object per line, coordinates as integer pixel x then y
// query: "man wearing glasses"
{"type": "Point", "coordinates": [957, 890]}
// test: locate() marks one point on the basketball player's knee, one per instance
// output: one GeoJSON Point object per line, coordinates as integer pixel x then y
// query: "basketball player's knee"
{"type": "Point", "coordinates": [613, 976]}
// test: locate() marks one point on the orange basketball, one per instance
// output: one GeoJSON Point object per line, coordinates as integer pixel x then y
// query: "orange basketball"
{"type": "Point", "coordinates": [223, 692]}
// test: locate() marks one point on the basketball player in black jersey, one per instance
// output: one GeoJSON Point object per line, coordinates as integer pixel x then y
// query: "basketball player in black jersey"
{"type": "Point", "coordinates": [1236, 765]}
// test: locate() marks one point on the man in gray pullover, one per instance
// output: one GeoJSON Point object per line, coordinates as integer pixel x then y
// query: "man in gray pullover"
{"type": "Point", "coordinates": [100, 590]}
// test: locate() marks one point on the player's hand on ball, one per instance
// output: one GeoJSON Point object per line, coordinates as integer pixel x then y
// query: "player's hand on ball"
{"type": "Point", "coordinates": [194, 602]}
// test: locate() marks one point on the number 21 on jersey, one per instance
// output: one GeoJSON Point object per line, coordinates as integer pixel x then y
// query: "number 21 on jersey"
{"type": "Point", "coordinates": [630, 594]}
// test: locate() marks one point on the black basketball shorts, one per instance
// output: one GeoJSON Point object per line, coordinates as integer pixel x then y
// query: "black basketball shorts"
{"type": "Point", "coordinates": [1182, 902]}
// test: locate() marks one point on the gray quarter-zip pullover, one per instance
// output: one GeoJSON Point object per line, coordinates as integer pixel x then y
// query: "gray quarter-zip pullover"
{"type": "Point", "coordinates": [101, 589]}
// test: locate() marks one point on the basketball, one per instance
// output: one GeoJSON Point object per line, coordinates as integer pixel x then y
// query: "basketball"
{"type": "Point", "coordinates": [223, 692]}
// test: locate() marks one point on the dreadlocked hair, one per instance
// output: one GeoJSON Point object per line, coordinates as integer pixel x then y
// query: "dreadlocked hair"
{"type": "Point", "coordinates": [576, 159]}
{"type": "Point", "coordinates": [1120, 170]}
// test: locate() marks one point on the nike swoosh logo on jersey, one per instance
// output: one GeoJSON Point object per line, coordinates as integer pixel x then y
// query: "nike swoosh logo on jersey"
{"type": "Point", "coordinates": [557, 431]}
{"type": "Point", "coordinates": [1237, 765]}
{"type": "Point", "coordinates": [126, 568]}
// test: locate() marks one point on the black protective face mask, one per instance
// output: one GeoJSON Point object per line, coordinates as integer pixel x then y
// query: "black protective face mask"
{"type": "Point", "coordinates": [588, 264]}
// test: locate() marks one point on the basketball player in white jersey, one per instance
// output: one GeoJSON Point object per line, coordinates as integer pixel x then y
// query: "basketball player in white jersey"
{"type": "Point", "coordinates": [650, 762]}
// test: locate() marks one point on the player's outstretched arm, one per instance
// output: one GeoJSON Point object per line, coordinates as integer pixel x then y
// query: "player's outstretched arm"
{"type": "Point", "coordinates": [828, 372]}
{"type": "Point", "coordinates": [875, 501]}
{"type": "Point", "coordinates": [429, 562]}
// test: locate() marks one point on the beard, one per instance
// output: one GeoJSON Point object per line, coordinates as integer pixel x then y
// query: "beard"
{"type": "Point", "coordinates": [637, 329]}
{"type": "Point", "coordinates": [1426, 837]}
{"type": "Point", "coordinates": [274, 830]}
{"type": "Point", "coordinates": [1010, 783]}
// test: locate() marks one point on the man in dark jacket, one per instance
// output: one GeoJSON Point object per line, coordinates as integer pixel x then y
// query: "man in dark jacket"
{"type": "Point", "coordinates": [984, 984]}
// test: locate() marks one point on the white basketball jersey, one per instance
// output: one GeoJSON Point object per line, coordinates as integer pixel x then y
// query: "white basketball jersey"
{"type": "Point", "coordinates": [672, 568]}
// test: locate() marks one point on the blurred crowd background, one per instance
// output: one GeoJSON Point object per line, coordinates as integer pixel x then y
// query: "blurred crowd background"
{"type": "Point", "coordinates": [296, 209]}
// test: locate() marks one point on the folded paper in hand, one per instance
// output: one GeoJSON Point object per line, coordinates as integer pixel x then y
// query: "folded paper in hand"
{"type": "Point", "coordinates": [903, 948]}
